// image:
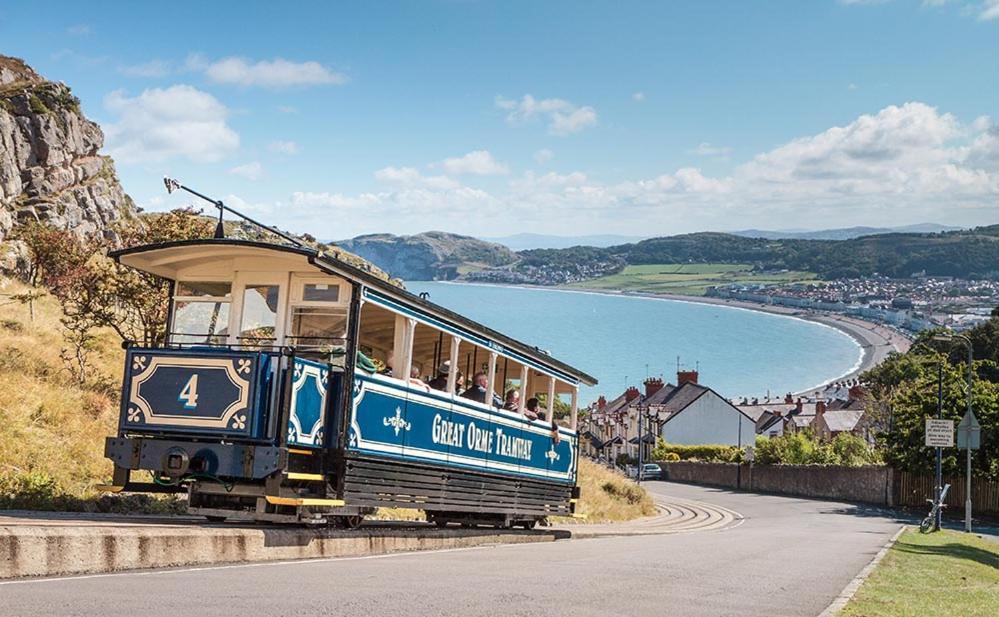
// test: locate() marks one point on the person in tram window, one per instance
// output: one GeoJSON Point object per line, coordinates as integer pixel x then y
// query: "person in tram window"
{"type": "Point", "coordinates": [478, 390]}
{"type": "Point", "coordinates": [415, 381]}
{"type": "Point", "coordinates": [389, 361]}
{"type": "Point", "coordinates": [440, 381]}
{"type": "Point", "coordinates": [512, 401]}
{"type": "Point", "coordinates": [531, 410]}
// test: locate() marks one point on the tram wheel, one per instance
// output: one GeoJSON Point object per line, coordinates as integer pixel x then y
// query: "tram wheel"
{"type": "Point", "coordinates": [440, 523]}
{"type": "Point", "coordinates": [352, 522]}
{"type": "Point", "coordinates": [215, 519]}
{"type": "Point", "coordinates": [528, 525]}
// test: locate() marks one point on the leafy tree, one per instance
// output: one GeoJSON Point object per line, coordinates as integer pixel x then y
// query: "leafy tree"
{"type": "Point", "coordinates": [94, 291]}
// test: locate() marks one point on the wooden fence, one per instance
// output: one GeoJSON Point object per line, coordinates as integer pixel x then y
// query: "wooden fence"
{"type": "Point", "coordinates": [914, 490]}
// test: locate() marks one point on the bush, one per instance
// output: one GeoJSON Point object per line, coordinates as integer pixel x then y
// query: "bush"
{"type": "Point", "coordinates": [710, 453]}
{"type": "Point", "coordinates": [631, 493]}
{"type": "Point", "coordinates": [803, 448]}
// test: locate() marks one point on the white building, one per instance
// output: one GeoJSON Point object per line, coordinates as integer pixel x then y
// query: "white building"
{"type": "Point", "coordinates": [699, 415]}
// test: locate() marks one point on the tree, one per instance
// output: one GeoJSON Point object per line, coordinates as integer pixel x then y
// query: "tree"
{"type": "Point", "coordinates": [94, 291]}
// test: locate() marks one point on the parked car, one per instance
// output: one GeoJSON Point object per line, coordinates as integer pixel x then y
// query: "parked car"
{"type": "Point", "coordinates": [651, 471]}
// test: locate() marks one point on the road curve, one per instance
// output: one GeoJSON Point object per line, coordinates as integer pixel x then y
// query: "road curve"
{"type": "Point", "coordinates": [785, 557]}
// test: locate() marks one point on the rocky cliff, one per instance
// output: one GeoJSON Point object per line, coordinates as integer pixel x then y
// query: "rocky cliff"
{"type": "Point", "coordinates": [50, 167]}
{"type": "Point", "coordinates": [433, 255]}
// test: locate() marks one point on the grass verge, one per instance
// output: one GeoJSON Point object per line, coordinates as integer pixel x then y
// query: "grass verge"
{"type": "Point", "coordinates": [940, 574]}
{"type": "Point", "coordinates": [688, 279]}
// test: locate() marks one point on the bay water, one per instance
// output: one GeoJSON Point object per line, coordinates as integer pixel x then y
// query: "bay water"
{"type": "Point", "coordinates": [621, 340]}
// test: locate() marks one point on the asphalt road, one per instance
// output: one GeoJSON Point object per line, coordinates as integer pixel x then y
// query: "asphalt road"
{"type": "Point", "coordinates": [788, 557]}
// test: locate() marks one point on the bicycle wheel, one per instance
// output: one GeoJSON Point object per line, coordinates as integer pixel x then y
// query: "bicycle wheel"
{"type": "Point", "coordinates": [926, 525]}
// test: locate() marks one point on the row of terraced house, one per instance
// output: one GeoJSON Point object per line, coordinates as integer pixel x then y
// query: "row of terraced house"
{"type": "Point", "coordinates": [691, 413]}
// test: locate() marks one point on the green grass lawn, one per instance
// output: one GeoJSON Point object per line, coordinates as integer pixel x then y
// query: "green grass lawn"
{"type": "Point", "coordinates": [944, 573]}
{"type": "Point", "coordinates": [688, 279]}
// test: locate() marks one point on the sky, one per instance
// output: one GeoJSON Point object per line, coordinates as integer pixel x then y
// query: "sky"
{"type": "Point", "coordinates": [496, 118]}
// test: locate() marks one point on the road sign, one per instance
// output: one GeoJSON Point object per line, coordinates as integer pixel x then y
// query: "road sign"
{"type": "Point", "coordinates": [969, 432]}
{"type": "Point", "coordinates": [939, 433]}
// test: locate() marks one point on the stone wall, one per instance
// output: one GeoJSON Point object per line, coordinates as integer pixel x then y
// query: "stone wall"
{"type": "Point", "coordinates": [871, 484]}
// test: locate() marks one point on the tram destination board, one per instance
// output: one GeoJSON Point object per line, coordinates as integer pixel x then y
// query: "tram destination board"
{"type": "Point", "coordinates": [939, 433]}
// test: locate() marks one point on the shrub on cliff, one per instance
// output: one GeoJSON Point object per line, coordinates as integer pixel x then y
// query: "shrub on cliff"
{"type": "Point", "coordinates": [803, 448]}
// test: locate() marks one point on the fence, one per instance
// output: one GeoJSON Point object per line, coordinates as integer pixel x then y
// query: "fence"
{"type": "Point", "coordinates": [876, 485]}
{"type": "Point", "coordinates": [914, 490]}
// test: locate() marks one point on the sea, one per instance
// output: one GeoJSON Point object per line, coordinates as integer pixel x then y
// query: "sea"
{"type": "Point", "coordinates": [621, 339]}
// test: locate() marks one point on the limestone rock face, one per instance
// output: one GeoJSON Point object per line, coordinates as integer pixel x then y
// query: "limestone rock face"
{"type": "Point", "coordinates": [50, 166]}
{"type": "Point", "coordinates": [432, 255]}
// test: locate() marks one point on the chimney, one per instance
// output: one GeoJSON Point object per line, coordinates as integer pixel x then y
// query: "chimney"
{"type": "Point", "coordinates": [601, 403]}
{"type": "Point", "coordinates": [631, 394]}
{"type": "Point", "coordinates": [820, 407]}
{"type": "Point", "coordinates": [798, 405]}
{"type": "Point", "coordinates": [788, 399]}
{"type": "Point", "coordinates": [653, 385]}
{"type": "Point", "coordinates": [683, 377]}
{"type": "Point", "coordinates": [756, 401]}
{"type": "Point", "coordinates": [856, 393]}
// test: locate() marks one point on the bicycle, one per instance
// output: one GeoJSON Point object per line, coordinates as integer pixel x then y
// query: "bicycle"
{"type": "Point", "coordinates": [930, 520]}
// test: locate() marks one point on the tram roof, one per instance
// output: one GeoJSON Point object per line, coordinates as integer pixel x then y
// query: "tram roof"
{"type": "Point", "coordinates": [154, 258]}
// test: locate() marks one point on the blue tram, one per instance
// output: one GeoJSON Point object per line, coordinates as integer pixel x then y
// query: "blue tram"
{"type": "Point", "coordinates": [293, 387]}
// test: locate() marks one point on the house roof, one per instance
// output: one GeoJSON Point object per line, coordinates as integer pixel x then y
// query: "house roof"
{"type": "Point", "coordinates": [802, 420]}
{"type": "Point", "coordinates": [843, 420]}
{"type": "Point", "coordinates": [683, 396]}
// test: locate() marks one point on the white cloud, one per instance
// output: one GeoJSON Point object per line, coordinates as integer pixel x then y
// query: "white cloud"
{"type": "Point", "coordinates": [852, 87]}
{"type": "Point", "coordinates": [153, 68]}
{"type": "Point", "coordinates": [543, 155]}
{"type": "Point", "coordinates": [903, 164]}
{"type": "Point", "coordinates": [283, 147]}
{"type": "Point", "coordinates": [276, 73]}
{"type": "Point", "coordinates": [475, 163]}
{"type": "Point", "coordinates": [989, 10]}
{"type": "Point", "coordinates": [287, 109]}
{"type": "Point", "coordinates": [251, 171]}
{"type": "Point", "coordinates": [638, 96]}
{"type": "Point", "coordinates": [411, 177]}
{"type": "Point", "coordinates": [79, 29]}
{"type": "Point", "coordinates": [706, 149]}
{"type": "Point", "coordinates": [162, 123]}
{"type": "Point", "coordinates": [563, 117]}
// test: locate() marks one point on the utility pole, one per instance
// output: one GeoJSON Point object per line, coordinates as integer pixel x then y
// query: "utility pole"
{"type": "Point", "coordinates": [939, 475]}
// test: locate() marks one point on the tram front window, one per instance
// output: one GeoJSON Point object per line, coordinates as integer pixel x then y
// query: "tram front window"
{"type": "Point", "coordinates": [258, 323]}
{"type": "Point", "coordinates": [201, 313]}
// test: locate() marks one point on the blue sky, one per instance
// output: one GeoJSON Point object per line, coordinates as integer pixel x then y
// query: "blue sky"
{"type": "Point", "coordinates": [557, 117]}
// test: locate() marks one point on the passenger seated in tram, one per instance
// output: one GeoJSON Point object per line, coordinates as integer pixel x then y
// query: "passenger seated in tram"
{"type": "Point", "coordinates": [440, 382]}
{"type": "Point", "coordinates": [415, 381]}
{"type": "Point", "coordinates": [531, 410]}
{"type": "Point", "coordinates": [478, 390]}
{"type": "Point", "coordinates": [512, 401]}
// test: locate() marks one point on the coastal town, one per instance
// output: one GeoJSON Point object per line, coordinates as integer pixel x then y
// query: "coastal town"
{"type": "Point", "coordinates": [547, 309]}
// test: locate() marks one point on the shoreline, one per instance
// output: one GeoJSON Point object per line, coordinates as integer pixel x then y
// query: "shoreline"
{"type": "Point", "coordinates": [875, 340]}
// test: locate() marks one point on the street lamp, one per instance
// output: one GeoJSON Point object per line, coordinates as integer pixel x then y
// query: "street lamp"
{"type": "Point", "coordinates": [971, 363]}
{"type": "Point", "coordinates": [644, 412]}
{"type": "Point", "coordinates": [939, 455]}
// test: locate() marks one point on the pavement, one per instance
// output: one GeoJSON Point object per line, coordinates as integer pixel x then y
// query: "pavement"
{"type": "Point", "coordinates": [770, 555]}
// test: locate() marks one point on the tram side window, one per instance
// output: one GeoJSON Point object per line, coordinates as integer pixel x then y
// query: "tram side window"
{"type": "Point", "coordinates": [319, 321]}
{"type": "Point", "coordinates": [259, 321]}
{"type": "Point", "coordinates": [201, 312]}
{"type": "Point", "coordinates": [376, 339]}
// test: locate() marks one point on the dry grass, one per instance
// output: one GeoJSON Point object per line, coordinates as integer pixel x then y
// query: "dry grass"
{"type": "Point", "coordinates": [50, 426]}
{"type": "Point", "coordinates": [608, 497]}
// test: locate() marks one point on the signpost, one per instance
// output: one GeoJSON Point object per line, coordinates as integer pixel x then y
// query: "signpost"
{"type": "Point", "coordinates": [969, 437]}
{"type": "Point", "coordinates": [939, 433]}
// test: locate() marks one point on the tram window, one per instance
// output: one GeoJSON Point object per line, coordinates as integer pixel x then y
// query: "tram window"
{"type": "Point", "coordinates": [320, 292]}
{"type": "Point", "coordinates": [201, 312]}
{"type": "Point", "coordinates": [258, 324]}
{"type": "Point", "coordinates": [318, 326]}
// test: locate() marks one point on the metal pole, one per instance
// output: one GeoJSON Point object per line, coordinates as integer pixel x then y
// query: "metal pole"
{"type": "Point", "coordinates": [967, 499]}
{"type": "Point", "coordinates": [638, 476]}
{"type": "Point", "coordinates": [939, 487]}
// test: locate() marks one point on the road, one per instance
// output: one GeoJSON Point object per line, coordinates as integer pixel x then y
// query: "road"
{"type": "Point", "coordinates": [787, 556]}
